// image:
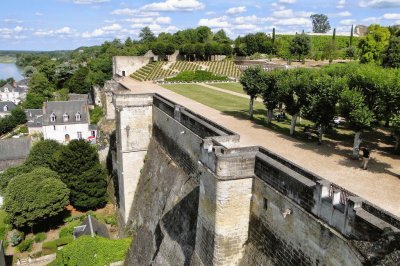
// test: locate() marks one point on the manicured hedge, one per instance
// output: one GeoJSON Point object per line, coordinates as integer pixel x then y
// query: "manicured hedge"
{"type": "Point", "coordinates": [198, 75]}
{"type": "Point", "coordinates": [92, 251]}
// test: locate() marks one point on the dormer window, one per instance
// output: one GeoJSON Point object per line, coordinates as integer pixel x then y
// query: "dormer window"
{"type": "Point", "coordinates": [65, 117]}
{"type": "Point", "coordinates": [5, 108]}
{"type": "Point", "coordinates": [78, 116]}
{"type": "Point", "coordinates": [53, 117]}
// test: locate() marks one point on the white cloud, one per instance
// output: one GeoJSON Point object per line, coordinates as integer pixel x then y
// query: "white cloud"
{"type": "Point", "coordinates": [341, 4]}
{"type": "Point", "coordinates": [89, 2]}
{"type": "Point", "coordinates": [344, 14]}
{"type": "Point", "coordinates": [159, 20]}
{"type": "Point", "coordinates": [61, 32]}
{"type": "Point", "coordinates": [103, 31]}
{"type": "Point", "coordinates": [221, 22]}
{"type": "Point", "coordinates": [285, 13]}
{"type": "Point", "coordinates": [18, 29]}
{"type": "Point", "coordinates": [236, 10]}
{"type": "Point", "coordinates": [134, 12]}
{"type": "Point", "coordinates": [380, 3]}
{"type": "Point", "coordinates": [39, 14]}
{"type": "Point", "coordinates": [304, 22]}
{"type": "Point", "coordinates": [287, 1]}
{"type": "Point", "coordinates": [11, 20]}
{"type": "Point", "coordinates": [175, 5]}
{"type": "Point", "coordinates": [210, 13]}
{"type": "Point", "coordinates": [347, 21]}
{"type": "Point", "coordinates": [392, 16]}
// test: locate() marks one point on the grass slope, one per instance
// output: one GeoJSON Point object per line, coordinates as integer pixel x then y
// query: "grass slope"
{"type": "Point", "coordinates": [235, 87]}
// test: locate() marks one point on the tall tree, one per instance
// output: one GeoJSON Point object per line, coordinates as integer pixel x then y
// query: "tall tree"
{"type": "Point", "coordinates": [271, 91]}
{"type": "Point", "coordinates": [320, 23]}
{"type": "Point", "coordinates": [300, 46]}
{"type": "Point", "coordinates": [373, 44]}
{"type": "Point", "coordinates": [146, 35]}
{"type": "Point", "coordinates": [353, 107]}
{"type": "Point", "coordinates": [42, 153]}
{"type": "Point", "coordinates": [204, 34]}
{"type": "Point", "coordinates": [391, 56]}
{"type": "Point", "coordinates": [35, 197]}
{"type": "Point", "coordinates": [79, 167]}
{"type": "Point", "coordinates": [251, 82]}
{"type": "Point", "coordinates": [321, 101]}
{"type": "Point", "coordinates": [79, 82]}
{"type": "Point", "coordinates": [294, 92]}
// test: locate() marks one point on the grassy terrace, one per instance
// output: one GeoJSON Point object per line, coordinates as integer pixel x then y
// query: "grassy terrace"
{"type": "Point", "coordinates": [238, 107]}
{"type": "Point", "coordinates": [235, 87]}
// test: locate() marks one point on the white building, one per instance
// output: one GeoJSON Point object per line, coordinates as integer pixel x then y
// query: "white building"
{"type": "Point", "coordinates": [11, 93]}
{"type": "Point", "coordinates": [67, 120]}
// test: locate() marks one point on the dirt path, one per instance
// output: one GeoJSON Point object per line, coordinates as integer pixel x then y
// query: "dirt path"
{"type": "Point", "coordinates": [380, 184]}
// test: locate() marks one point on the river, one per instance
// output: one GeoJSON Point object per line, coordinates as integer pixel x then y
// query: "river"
{"type": "Point", "coordinates": [10, 70]}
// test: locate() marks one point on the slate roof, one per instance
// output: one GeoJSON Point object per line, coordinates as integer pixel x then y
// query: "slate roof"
{"type": "Point", "coordinates": [34, 117]}
{"type": "Point", "coordinates": [22, 82]}
{"type": "Point", "coordinates": [11, 106]}
{"type": "Point", "coordinates": [18, 148]}
{"type": "Point", "coordinates": [92, 227]}
{"type": "Point", "coordinates": [65, 107]}
{"type": "Point", "coordinates": [12, 88]}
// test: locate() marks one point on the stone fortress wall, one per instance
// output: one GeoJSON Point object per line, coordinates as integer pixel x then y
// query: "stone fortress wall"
{"type": "Point", "coordinates": [242, 205]}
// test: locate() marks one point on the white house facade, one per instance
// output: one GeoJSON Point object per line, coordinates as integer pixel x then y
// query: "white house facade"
{"type": "Point", "coordinates": [64, 121]}
{"type": "Point", "coordinates": [12, 94]}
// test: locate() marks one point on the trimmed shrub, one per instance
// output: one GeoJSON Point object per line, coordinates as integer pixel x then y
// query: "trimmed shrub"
{"type": "Point", "coordinates": [40, 237]}
{"type": "Point", "coordinates": [64, 241]}
{"type": "Point", "coordinates": [25, 245]}
{"type": "Point", "coordinates": [89, 251]}
{"type": "Point", "coordinates": [69, 229]}
{"type": "Point", "coordinates": [198, 75]}
{"type": "Point", "coordinates": [49, 247]}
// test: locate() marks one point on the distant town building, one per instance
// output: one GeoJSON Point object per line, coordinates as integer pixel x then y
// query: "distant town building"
{"type": "Point", "coordinates": [34, 119]}
{"type": "Point", "coordinates": [91, 227]}
{"type": "Point", "coordinates": [13, 93]}
{"type": "Point", "coordinates": [64, 121]}
{"type": "Point", "coordinates": [6, 108]}
{"type": "Point", "coordinates": [360, 30]}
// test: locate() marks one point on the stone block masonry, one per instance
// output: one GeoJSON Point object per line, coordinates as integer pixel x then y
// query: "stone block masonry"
{"type": "Point", "coordinates": [253, 207]}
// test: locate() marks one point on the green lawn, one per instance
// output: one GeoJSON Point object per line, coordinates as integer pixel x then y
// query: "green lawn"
{"type": "Point", "coordinates": [232, 105]}
{"type": "Point", "coordinates": [235, 87]}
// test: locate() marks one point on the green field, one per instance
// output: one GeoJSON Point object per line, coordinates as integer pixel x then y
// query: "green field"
{"type": "Point", "coordinates": [235, 87]}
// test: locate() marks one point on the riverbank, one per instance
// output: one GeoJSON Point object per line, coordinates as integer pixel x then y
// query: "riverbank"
{"type": "Point", "coordinates": [6, 59]}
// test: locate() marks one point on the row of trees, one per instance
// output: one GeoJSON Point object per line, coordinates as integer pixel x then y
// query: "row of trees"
{"type": "Point", "coordinates": [53, 176]}
{"type": "Point", "coordinates": [363, 94]}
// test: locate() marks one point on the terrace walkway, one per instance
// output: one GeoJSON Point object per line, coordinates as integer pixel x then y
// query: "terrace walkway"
{"type": "Point", "coordinates": [380, 184]}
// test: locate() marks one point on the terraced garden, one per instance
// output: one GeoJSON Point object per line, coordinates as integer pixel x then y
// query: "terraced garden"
{"type": "Point", "coordinates": [161, 70]}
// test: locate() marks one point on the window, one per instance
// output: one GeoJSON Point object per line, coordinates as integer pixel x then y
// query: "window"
{"type": "Point", "coordinates": [65, 117]}
{"type": "Point", "coordinates": [54, 127]}
{"type": "Point", "coordinates": [78, 116]}
{"type": "Point", "coordinates": [79, 135]}
{"type": "Point", "coordinates": [265, 204]}
{"type": "Point", "coordinates": [5, 108]}
{"type": "Point", "coordinates": [93, 133]}
{"type": "Point", "coordinates": [53, 117]}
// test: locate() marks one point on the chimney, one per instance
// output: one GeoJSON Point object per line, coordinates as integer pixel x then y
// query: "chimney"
{"type": "Point", "coordinates": [14, 84]}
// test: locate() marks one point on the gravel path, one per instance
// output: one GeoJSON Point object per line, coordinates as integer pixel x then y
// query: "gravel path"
{"type": "Point", "coordinates": [380, 184]}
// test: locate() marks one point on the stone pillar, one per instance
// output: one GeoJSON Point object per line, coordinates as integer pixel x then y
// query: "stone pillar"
{"type": "Point", "coordinates": [134, 126]}
{"type": "Point", "coordinates": [224, 205]}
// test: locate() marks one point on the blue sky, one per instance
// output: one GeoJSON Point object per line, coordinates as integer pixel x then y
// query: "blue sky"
{"type": "Point", "coordinates": [68, 24]}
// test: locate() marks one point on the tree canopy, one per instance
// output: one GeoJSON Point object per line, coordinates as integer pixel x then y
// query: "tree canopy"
{"type": "Point", "coordinates": [300, 45]}
{"type": "Point", "coordinates": [78, 166]}
{"type": "Point", "coordinates": [320, 23]}
{"type": "Point", "coordinates": [42, 153]}
{"type": "Point", "coordinates": [35, 197]}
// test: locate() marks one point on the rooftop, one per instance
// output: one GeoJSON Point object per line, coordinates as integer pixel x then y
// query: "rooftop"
{"type": "Point", "coordinates": [70, 109]}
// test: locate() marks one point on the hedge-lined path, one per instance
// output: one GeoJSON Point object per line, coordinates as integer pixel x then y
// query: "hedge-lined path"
{"type": "Point", "coordinates": [379, 184]}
